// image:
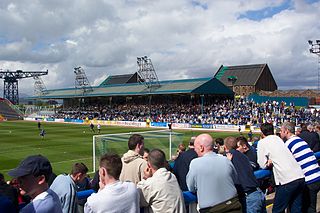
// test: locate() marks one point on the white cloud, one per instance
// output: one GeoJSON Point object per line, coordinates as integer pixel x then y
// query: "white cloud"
{"type": "Point", "coordinates": [184, 39]}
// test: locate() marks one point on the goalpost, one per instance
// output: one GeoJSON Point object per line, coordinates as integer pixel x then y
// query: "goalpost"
{"type": "Point", "coordinates": [166, 140]}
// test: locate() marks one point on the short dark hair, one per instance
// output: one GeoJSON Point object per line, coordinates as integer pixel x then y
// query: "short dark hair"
{"type": "Point", "coordinates": [243, 141]}
{"type": "Point", "coordinates": [157, 158]}
{"type": "Point", "coordinates": [134, 140]}
{"type": "Point", "coordinates": [79, 168]}
{"type": "Point", "coordinates": [267, 129]}
{"type": "Point", "coordinates": [230, 142]}
{"type": "Point", "coordinates": [1, 177]}
{"type": "Point", "coordinates": [219, 141]}
{"type": "Point", "coordinates": [112, 163]}
{"type": "Point", "coordinates": [146, 150]}
{"type": "Point", "coordinates": [303, 127]}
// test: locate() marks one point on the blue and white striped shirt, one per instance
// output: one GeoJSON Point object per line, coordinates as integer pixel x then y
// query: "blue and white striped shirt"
{"type": "Point", "coordinates": [305, 157]}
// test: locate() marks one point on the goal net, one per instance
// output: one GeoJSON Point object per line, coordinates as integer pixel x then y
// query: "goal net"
{"type": "Point", "coordinates": [165, 140]}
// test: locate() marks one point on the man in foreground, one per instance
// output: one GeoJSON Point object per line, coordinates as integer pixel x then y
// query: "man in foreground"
{"type": "Point", "coordinates": [133, 163]}
{"type": "Point", "coordinates": [159, 190]}
{"type": "Point", "coordinates": [288, 176]}
{"type": "Point", "coordinates": [213, 178]}
{"type": "Point", "coordinates": [32, 174]}
{"type": "Point", "coordinates": [308, 162]}
{"type": "Point", "coordinates": [66, 189]}
{"type": "Point", "coordinates": [113, 195]}
{"type": "Point", "coordinates": [182, 163]}
{"type": "Point", "coordinates": [251, 197]}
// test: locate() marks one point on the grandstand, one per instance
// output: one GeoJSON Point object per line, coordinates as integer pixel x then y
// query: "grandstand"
{"type": "Point", "coordinates": [8, 111]}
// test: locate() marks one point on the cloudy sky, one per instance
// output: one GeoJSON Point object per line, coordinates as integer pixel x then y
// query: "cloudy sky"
{"type": "Point", "coordinates": [184, 38]}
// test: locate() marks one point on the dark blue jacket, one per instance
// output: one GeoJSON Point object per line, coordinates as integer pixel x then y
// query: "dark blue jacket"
{"type": "Point", "coordinates": [181, 167]}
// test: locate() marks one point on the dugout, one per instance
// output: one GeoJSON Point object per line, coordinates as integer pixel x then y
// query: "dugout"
{"type": "Point", "coordinates": [129, 90]}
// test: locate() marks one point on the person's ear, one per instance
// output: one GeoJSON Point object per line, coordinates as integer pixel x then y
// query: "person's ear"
{"type": "Point", "coordinates": [41, 179]}
{"type": "Point", "coordinates": [201, 148]}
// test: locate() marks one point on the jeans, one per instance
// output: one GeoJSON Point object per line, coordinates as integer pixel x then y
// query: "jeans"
{"type": "Point", "coordinates": [256, 202]}
{"type": "Point", "coordinates": [310, 197]}
{"type": "Point", "coordinates": [289, 195]}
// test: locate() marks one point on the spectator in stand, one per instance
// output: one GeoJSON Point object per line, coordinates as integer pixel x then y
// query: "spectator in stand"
{"type": "Point", "coordinates": [251, 197]}
{"type": "Point", "coordinates": [182, 163]}
{"type": "Point", "coordinates": [317, 130]}
{"type": "Point", "coordinates": [289, 178]}
{"type": "Point", "coordinates": [9, 191]}
{"type": "Point", "coordinates": [255, 142]}
{"type": "Point", "coordinates": [146, 152]}
{"type": "Point", "coordinates": [219, 148]}
{"type": "Point", "coordinates": [113, 195]}
{"type": "Point", "coordinates": [250, 135]}
{"type": "Point", "coordinates": [308, 162]}
{"type": "Point", "coordinates": [159, 189]}
{"type": "Point", "coordinates": [245, 148]}
{"type": "Point", "coordinates": [311, 138]}
{"type": "Point", "coordinates": [298, 131]}
{"type": "Point", "coordinates": [133, 163]}
{"type": "Point", "coordinates": [6, 205]}
{"type": "Point", "coordinates": [65, 187]}
{"type": "Point", "coordinates": [213, 178]}
{"type": "Point", "coordinates": [32, 174]}
{"type": "Point", "coordinates": [82, 186]}
{"type": "Point", "coordinates": [23, 198]}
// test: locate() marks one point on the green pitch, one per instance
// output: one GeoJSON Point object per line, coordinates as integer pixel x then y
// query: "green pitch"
{"type": "Point", "coordinates": [63, 144]}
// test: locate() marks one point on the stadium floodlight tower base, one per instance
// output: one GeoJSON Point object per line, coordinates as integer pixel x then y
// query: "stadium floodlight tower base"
{"type": "Point", "coordinates": [166, 140]}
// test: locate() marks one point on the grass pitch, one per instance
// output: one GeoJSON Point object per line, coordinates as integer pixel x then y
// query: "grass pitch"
{"type": "Point", "coordinates": [63, 144]}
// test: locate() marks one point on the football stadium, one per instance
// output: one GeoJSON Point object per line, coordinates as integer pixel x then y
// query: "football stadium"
{"type": "Point", "coordinates": [85, 124]}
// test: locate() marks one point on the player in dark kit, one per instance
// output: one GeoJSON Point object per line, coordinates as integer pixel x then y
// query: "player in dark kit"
{"type": "Point", "coordinates": [92, 127]}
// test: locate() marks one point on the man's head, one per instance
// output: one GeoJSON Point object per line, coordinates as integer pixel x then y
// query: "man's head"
{"type": "Point", "coordinates": [303, 127]}
{"type": "Point", "coordinates": [242, 144]}
{"type": "Point", "coordinates": [266, 129]}
{"type": "Point", "coordinates": [136, 143]}
{"type": "Point", "coordinates": [79, 172]}
{"type": "Point", "coordinates": [146, 152]}
{"type": "Point", "coordinates": [287, 130]}
{"type": "Point", "coordinates": [218, 147]}
{"type": "Point", "coordinates": [32, 174]}
{"type": "Point", "coordinates": [191, 142]}
{"type": "Point", "coordinates": [156, 159]}
{"type": "Point", "coordinates": [203, 144]}
{"type": "Point", "coordinates": [310, 127]}
{"type": "Point", "coordinates": [110, 168]}
{"type": "Point", "coordinates": [230, 143]}
{"type": "Point", "coordinates": [181, 148]}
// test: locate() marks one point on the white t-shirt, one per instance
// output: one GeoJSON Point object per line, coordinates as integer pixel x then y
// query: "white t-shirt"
{"type": "Point", "coordinates": [116, 197]}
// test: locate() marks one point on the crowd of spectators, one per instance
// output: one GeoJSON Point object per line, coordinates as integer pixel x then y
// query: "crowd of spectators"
{"type": "Point", "coordinates": [143, 179]}
{"type": "Point", "coordinates": [237, 112]}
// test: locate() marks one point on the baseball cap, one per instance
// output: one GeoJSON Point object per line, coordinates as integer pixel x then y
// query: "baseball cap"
{"type": "Point", "coordinates": [35, 164]}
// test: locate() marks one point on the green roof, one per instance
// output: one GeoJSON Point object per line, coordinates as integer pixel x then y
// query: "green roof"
{"type": "Point", "coordinates": [195, 86]}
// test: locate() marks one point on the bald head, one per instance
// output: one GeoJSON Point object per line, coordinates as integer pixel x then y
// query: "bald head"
{"type": "Point", "coordinates": [203, 144]}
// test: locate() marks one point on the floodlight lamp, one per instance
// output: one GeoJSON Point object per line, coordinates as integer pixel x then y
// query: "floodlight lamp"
{"type": "Point", "coordinates": [310, 42]}
{"type": "Point", "coordinates": [318, 41]}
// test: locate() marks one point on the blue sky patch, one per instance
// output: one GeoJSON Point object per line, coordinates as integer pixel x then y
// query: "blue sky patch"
{"type": "Point", "coordinates": [199, 4]}
{"type": "Point", "coordinates": [258, 15]}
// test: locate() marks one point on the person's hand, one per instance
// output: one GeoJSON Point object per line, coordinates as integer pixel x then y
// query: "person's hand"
{"type": "Point", "coordinates": [269, 163]}
{"type": "Point", "coordinates": [147, 173]}
{"type": "Point", "coordinates": [229, 156]}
